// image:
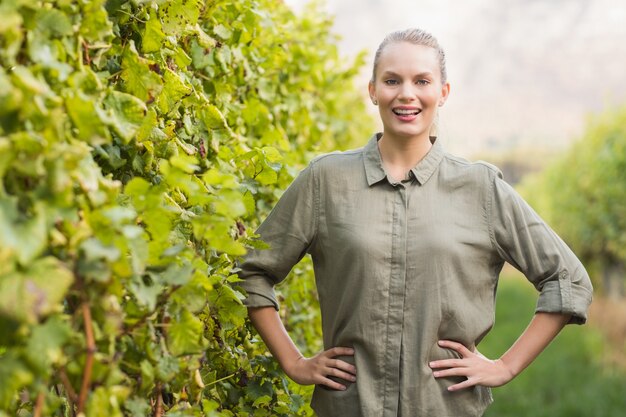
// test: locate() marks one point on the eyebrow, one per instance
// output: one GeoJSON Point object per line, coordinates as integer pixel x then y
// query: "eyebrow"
{"type": "Point", "coordinates": [421, 74]}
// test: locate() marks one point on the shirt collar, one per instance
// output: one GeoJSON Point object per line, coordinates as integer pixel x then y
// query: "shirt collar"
{"type": "Point", "coordinates": [373, 162]}
{"type": "Point", "coordinates": [422, 171]}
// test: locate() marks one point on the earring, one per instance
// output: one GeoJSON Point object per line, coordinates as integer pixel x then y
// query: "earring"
{"type": "Point", "coordinates": [375, 102]}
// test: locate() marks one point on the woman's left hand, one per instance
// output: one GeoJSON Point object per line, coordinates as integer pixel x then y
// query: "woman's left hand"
{"type": "Point", "coordinates": [478, 369]}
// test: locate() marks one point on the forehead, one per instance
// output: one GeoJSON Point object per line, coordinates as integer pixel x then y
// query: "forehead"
{"type": "Point", "coordinates": [401, 57]}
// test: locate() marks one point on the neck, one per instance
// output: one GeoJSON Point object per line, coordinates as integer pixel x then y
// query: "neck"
{"type": "Point", "coordinates": [400, 155]}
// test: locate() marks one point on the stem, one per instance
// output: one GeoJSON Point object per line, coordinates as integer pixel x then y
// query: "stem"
{"type": "Point", "coordinates": [91, 349]}
{"type": "Point", "coordinates": [69, 390]}
{"type": "Point", "coordinates": [86, 57]}
{"type": "Point", "coordinates": [220, 380]}
{"type": "Point", "coordinates": [39, 404]}
{"type": "Point", "coordinates": [158, 410]}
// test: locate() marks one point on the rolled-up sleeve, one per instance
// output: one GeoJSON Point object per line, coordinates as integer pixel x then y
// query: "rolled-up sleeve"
{"type": "Point", "coordinates": [524, 240]}
{"type": "Point", "coordinates": [289, 230]}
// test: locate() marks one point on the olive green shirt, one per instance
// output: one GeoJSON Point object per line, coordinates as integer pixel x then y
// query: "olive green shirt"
{"type": "Point", "coordinates": [399, 266]}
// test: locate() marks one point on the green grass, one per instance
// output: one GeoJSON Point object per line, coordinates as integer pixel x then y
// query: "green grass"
{"type": "Point", "coordinates": [568, 379]}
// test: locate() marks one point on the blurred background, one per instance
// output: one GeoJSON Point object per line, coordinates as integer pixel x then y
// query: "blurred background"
{"type": "Point", "coordinates": [524, 73]}
{"type": "Point", "coordinates": [539, 89]}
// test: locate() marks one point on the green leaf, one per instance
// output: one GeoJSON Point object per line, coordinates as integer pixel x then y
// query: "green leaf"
{"type": "Point", "coordinates": [147, 128]}
{"type": "Point", "coordinates": [145, 293]}
{"type": "Point", "coordinates": [6, 158]}
{"type": "Point", "coordinates": [212, 117]}
{"type": "Point", "coordinates": [147, 374]}
{"type": "Point", "coordinates": [95, 24]}
{"type": "Point", "coordinates": [230, 204]}
{"type": "Point", "coordinates": [173, 91]}
{"type": "Point", "coordinates": [216, 177]}
{"type": "Point", "coordinates": [222, 31]}
{"type": "Point", "coordinates": [186, 163]}
{"type": "Point", "coordinates": [153, 35]}
{"type": "Point", "coordinates": [176, 274]}
{"type": "Point", "coordinates": [262, 401]}
{"type": "Point", "coordinates": [94, 249]}
{"type": "Point", "coordinates": [126, 113]}
{"type": "Point", "coordinates": [249, 203]}
{"type": "Point", "coordinates": [177, 15]}
{"type": "Point", "coordinates": [10, 98]}
{"type": "Point", "coordinates": [193, 295]}
{"type": "Point", "coordinates": [106, 401]}
{"type": "Point", "coordinates": [256, 114]}
{"type": "Point", "coordinates": [260, 389]}
{"type": "Point", "coordinates": [137, 407]}
{"type": "Point", "coordinates": [37, 291]}
{"type": "Point", "coordinates": [271, 154]}
{"type": "Point", "coordinates": [25, 236]}
{"type": "Point", "coordinates": [52, 22]}
{"type": "Point", "coordinates": [11, 34]}
{"type": "Point", "coordinates": [204, 39]}
{"type": "Point", "coordinates": [45, 343]}
{"type": "Point", "coordinates": [228, 303]}
{"type": "Point", "coordinates": [267, 176]}
{"type": "Point", "coordinates": [166, 368]}
{"type": "Point", "coordinates": [14, 375]}
{"type": "Point", "coordinates": [27, 80]}
{"type": "Point", "coordinates": [88, 118]}
{"type": "Point", "coordinates": [140, 80]}
{"type": "Point", "coordinates": [185, 334]}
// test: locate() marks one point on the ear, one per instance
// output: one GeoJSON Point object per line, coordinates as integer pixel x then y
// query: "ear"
{"type": "Point", "coordinates": [372, 90]}
{"type": "Point", "coordinates": [445, 92]}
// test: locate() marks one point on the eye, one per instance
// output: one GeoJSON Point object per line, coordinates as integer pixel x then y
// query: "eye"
{"type": "Point", "coordinates": [391, 81]}
{"type": "Point", "coordinates": [423, 82]}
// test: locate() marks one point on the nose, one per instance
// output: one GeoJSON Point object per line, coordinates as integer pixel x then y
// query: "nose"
{"type": "Point", "coordinates": [407, 92]}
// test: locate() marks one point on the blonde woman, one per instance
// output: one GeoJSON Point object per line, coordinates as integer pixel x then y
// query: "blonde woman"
{"type": "Point", "coordinates": [407, 243]}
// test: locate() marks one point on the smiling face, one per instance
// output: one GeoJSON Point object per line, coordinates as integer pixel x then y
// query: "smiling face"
{"type": "Point", "coordinates": [408, 89]}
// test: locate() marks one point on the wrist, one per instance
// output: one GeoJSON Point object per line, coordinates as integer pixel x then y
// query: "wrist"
{"type": "Point", "coordinates": [510, 370]}
{"type": "Point", "coordinates": [289, 365]}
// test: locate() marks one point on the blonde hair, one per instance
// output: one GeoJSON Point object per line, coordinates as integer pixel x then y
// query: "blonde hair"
{"type": "Point", "coordinates": [416, 37]}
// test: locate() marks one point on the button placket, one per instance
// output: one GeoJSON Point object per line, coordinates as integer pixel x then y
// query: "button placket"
{"type": "Point", "coordinates": [395, 315]}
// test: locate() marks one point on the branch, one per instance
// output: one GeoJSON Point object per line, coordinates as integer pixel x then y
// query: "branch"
{"type": "Point", "coordinates": [158, 410]}
{"type": "Point", "coordinates": [86, 57]}
{"type": "Point", "coordinates": [91, 349]}
{"type": "Point", "coordinates": [39, 404]}
{"type": "Point", "coordinates": [69, 390]}
{"type": "Point", "coordinates": [220, 380]}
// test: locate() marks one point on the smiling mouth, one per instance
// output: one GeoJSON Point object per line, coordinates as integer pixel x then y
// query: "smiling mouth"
{"type": "Point", "coordinates": [407, 112]}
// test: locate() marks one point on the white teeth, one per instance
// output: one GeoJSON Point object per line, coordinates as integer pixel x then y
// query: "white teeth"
{"type": "Point", "coordinates": [406, 112]}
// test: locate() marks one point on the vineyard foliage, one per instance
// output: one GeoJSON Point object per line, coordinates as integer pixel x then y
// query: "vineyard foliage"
{"type": "Point", "coordinates": [140, 144]}
{"type": "Point", "coordinates": [583, 195]}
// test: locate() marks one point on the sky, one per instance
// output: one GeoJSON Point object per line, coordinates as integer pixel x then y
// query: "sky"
{"type": "Point", "coordinates": [524, 74]}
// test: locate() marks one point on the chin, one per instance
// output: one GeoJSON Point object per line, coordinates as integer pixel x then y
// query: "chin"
{"type": "Point", "coordinates": [409, 133]}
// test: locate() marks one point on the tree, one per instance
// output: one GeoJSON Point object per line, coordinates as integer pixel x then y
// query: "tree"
{"type": "Point", "coordinates": [584, 197]}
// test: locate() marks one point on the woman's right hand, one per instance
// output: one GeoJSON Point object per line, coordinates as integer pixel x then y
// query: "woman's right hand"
{"type": "Point", "coordinates": [305, 371]}
{"type": "Point", "coordinates": [318, 369]}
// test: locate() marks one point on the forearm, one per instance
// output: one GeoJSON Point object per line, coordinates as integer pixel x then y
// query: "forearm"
{"type": "Point", "coordinates": [482, 371]}
{"type": "Point", "coordinates": [271, 329]}
{"type": "Point", "coordinates": [542, 329]}
{"type": "Point", "coordinates": [305, 371]}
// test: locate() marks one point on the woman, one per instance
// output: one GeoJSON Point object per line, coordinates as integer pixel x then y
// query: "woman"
{"type": "Point", "coordinates": [407, 243]}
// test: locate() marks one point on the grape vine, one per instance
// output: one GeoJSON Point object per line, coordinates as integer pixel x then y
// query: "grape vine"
{"type": "Point", "coordinates": [140, 144]}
